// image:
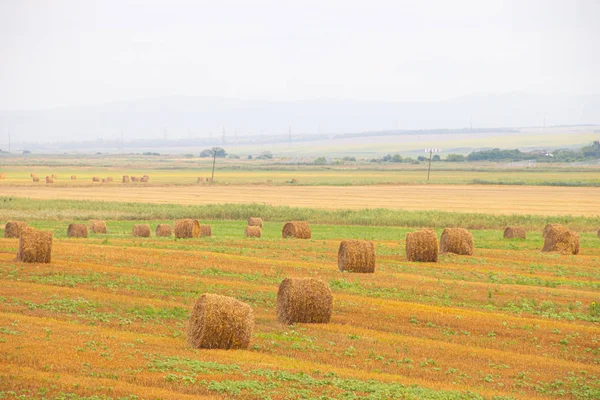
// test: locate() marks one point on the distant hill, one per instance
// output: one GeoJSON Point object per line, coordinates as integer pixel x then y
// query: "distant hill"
{"type": "Point", "coordinates": [184, 117]}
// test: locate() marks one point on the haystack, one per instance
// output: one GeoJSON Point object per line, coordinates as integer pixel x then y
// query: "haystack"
{"type": "Point", "coordinates": [255, 221]}
{"type": "Point", "coordinates": [104, 180]}
{"type": "Point", "coordinates": [296, 229]}
{"type": "Point", "coordinates": [209, 179]}
{"type": "Point", "coordinates": [146, 176]}
{"type": "Point", "coordinates": [32, 175]}
{"type": "Point", "coordinates": [110, 179]}
{"type": "Point", "coordinates": [95, 179]}
{"type": "Point", "coordinates": [205, 230]}
{"type": "Point", "coordinates": [253, 231]}
{"type": "Point", "coordinates": [77, 231]}
{"type": "Point", "coordinates": [134, 179]}
{"type": "Point", "coordinates": [35, 246]}
{"type": "Point", "coordinates": [422, 246]}
{"type": "Point", "coordinates": [220, 322]}
{"type": "Point", "coordinates": [2, 175]}
{"type": "Point", "coordinates": [187, 228]}
{"type": "Point", "coordinates": [141, 230]}
{"type": "Point", "coordinates": [561, 239]}
{"type": "Point", "coordinates": [73, 177]}
{"type": "Point", "coordinates": [164, 230]}
{"type": "Point", "coordinates": [515, 232]}
{"type": "Point", "coordinates": [457, 241]}
{"type": "Point", "coordinates": [36, 179]}
{"type": "Point", "coordinates": [356, 256]}
{"type": "Point", "coordinates": [98, 226]}
{"type": "Point", "coordinates": [49, 179]}
{"type": "Point", "coordinates": [125, 179]}
{"type": "Point", "coordinates": [54, 176]}
{"type": "Point", "coordinates": [144, 179]}
{"type": "Point", "coordinates": [547, 228]}
{"type": "Point", "coordinates": [13, 229]}
{"type": "Point", "coordinates": [200, 180]}
{"type": "Point", "coordinates": [294, 180]}
{"type": "Point", "coordinates": [306, 300]}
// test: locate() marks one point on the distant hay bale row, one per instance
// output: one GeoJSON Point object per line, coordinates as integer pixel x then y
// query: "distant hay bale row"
{"type": "Point", "coordinates": [356, 256]}
{"type": "Point", "coordinates": [558, 238]}
{"type": "Point", "coordinates": [297, 230]}
{"type": "Point", "coordinates": [163, 230]}
{"type": "Point", "coordinates": [12, 229]}
{"type": "Point", "coordinates": [456, 240]}
{"type": "Point", "coordinates": [220, 322]}
{"type": "Point", "coordinates": [253, 231]}
{"type": "Point", "coordinates": [305, 300]}
{"type": "Point", "coordinates": [77, 231]}
{"type": "Point", "coordinates": [422, 246]}
{"type": "Point", "coordinates": [35, 246]}
{"type": "Point", "coordinates": [97, 226]}
{"type": "Point", "coordinates": [141, 230]}
{"type": "Point", "coordinates": [515, 232]}
{"type": "Point", "coordinates": [255, 221]}
{"type": "Point", "coordinates": [187, 228]}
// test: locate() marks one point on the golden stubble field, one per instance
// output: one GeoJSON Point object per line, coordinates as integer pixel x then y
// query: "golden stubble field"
{"type": "Point", "coordinates": [536, 200]}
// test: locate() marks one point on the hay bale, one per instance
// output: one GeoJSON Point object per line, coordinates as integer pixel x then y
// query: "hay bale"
{"type": "Point", "coordinates": [141, 230]}
{"type": "Point", "coordinates": [296, 229]}
{"type": "Point", "coordinates": [187, 228]}
{"type": "Point", "coordinates": [547, 228]}
{"type": "Point", "coordinates": [77, 231]}
{"type": "Point", "coordinates": [73, 177]}
{"type": "Point", "coordinates": [163, 230]}
{"type": "Point", "coordinates": [144, 179]}
{"type": "Point", "coordinates": [12, 229]}
{"type": "Point", "coordinates": [356, 256]}
{"type": "Point", "coordinates": [209, 180]}
{"type": "Point", "coordinates": [253, 231]}
{"type": "Point", "coordinates": [200, 180]}
{"type": "Point", "coordinates": [305, 300]}
{"type": "Point", "coordinates": [422, 246]}
{"type": "Point", "coordinates": [104, 180]}
{"type": "Point", "coordinates": [561, 239]}
{"type": "Point", "coordinates": [97, 226]}
{"type": "Point", "coordinates": [110, 179]}
{"type": "Point", "coordinates": [294, 181]}
{"type": "Point", "coordinates": [457, 240]}
{"type": "Point", "coordinates": [35, 246]}
{"type": "Point", "coordinates": [599, 233]}
{"type": "Point", "coordinates": [205, 230]}
{"type": "Point", "coordinates": [32, 175]}
{"type": "Point", "coordinates": [95, 179]}
{"type": "Point", "coordinates": [146, 176]}
{"type": "Point", "coordinates": [269, 181]}
{"type": "Point", "coordinates": [54, 176]}
{"type": "Point", "coordinates": [255, 221]}
{"type": "Point", "coordinates": [36, 179]}
{"type": "Point", "coordinates": [49, 179]}
{"type": "Point", "coordinates": [2, 175]}
{"type": "Point", "coordinates": [515, 232]}
{"type": "Point", "coordinates": [220, 322]}
{"type": "Point", "coordinates": [125, 179]}
{"type": "Point", "coordinates": [134, 179]}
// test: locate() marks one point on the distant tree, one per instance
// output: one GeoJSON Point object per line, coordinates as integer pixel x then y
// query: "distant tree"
{"type": "Point", "coordinates": [436, 157]}
{"type": "Point", "coordinates": [188, 155]}
{"type": "Point", "coordinates": [148, 153]}
{"type": "Point", "coordinates": [349, 158]}
{"type": "Point", "coordinates": [233, 156]}
{"type": "Point", "coordinates": [206, 153]}
{"type": "Point", "coordinates": [249, 156]}
{"type": "Point", "coordinates": [265, 155]}
{"type": "Point", "coordinates": [421, 158]}
{"type": "Point", "coordinates": [397, 158]}
{"type": "Point", "coordinates": [455, 158]}
{"type": "Point", "coordinates": [26, 152]}
{"type": "Point", "coordinates": [320, 161]}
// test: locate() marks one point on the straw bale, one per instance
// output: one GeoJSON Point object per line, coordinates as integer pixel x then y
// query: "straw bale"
{"type": "Point", "coordinates": [146, 176]}
{"type": "Point", "coordinates": [54, 176]}
{"type": "Point", "coordinates": [209, 179]}
{"type": "Point", "coordinates": [356, 256]}
{"type": "Point", "coordinates": [32, 175]}
{"type": "Point", "coordinates": [73, 177]}
{"type": "Point", "coordinates": [305, 300]}
{"type": "Point", "coordinates": [187, 228]}
{"type": "Point", "coordinates": [294, 180]}
{"type": "Point", "coordinates": [255, 221]}
{"type": "Point", "coordinates": [141, 230]}
{"type": "Point", "coordinates": [220, 322]}
{"type": "Point", "coordinates": [97, 226]}
{"type": "Point", "coordinates": [2, 175]}
{"type": "Point", "coordinates": [95, 179]}
{"type": "Point", "coordinates": [561, 239]}
{"type": "Point", "coordinates": [164, 230]}
{"type": "Point", "coordinates": [200, 180]}
{"type": "Point", "coordinates": [422, 246]}
{"type": "Point", "coordinates": [547, 228]}
{"type": "Point", "coordinates": [205, 230]}
{"type": "Point", "coordinates": [36, 179]}
{"type": "Point", "coordinates": [296, 229]}
{"type": "Point", "coordinates": [77, 231]}
{"type": "Point", "coordinates": [49, 179]}
{"type": "Point", "coordinates": [104, 180]}
{"type": "Point", "coordinates": [457, 240]}
{"type": "Point", "coordinates": [35, 246]}
{"type": "Point", "coordinates": [143, 179]}
{"type": "Point", "coordinates": [134, 179]}
{"type": "Point", "coordinates": [515, 232]}
{"type": "Point", "coordinates": [125, 179]}
{"type": "Point", "coordinates": [253, 231]}
{"type": "Point", "coordinates": [110, 179]}
{"type": "Point", "coordinates": [13, 229]}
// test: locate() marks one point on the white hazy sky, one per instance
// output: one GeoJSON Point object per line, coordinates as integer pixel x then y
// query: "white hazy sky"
{"type": "Point", "coordinates": [60, 53]}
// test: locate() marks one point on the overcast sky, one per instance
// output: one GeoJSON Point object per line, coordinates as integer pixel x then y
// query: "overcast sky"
{"type": "Point", "coordinates": [62, 53]}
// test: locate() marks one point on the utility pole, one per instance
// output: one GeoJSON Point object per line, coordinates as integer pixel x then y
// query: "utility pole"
{"type": "Point", "coordinates": [214, 162]}
{"type": "Point", "coordinates": [430, 151]}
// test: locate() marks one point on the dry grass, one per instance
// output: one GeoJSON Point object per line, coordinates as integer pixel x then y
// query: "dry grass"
{"type": "Point", "coordinates": [35, 246]}
{"type": "Point", "coordinates": [515, 232]}
{"type": "Point", "coordinates": [141, 230]}
{"type": "Point", "coordinates": [304, 300]}
{"type": "Point", "coordinates": [253, 231]}
{"type": "Point", "coordinates": [296, 230]}
{"type": "Point", "coordinates": [77, 231]}
{"type": "Point", "coordinates": [97, 226]}
{"type": "Point", "coordinates": [561, 239]}
{"type": "Point", "coordinates": [220, 322]}
{"type": "Point", "coordinates": [458, 241]}
{"type": "Point", "coordinates": [164, 230]}
{"type": "Point", "coordinates": [356, 256]}
{"type": "Point", "coordinates": [422, 246]}
{"type": "Point", "coordinates": [187, 228]}
{"type": "Point", "coordinates": [13, 229]}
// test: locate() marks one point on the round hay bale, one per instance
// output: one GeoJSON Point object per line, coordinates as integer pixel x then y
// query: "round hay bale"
{"type": "Point", "coordinates": [141, 230]}
{"type": "Point", "coordinates": [35, 246]}
{"type": "Point", "coordinates": [457, 240]}
{"type": "Point", "coordinates": [187, 228]}
{"type": "Point", "coordinates": [32, 175]}
{"type": "Point", "coordinates": [36, 179]}
{"type": "Point", "coordinates": [356, 256]}
{"type": "Point", "coordinates": [12, 229]}
{"type": "Point", "coordinates": [73, 177]}
{"type": "Point", "coordinates": [104, 180]}
{"type": "Point", "coordinates": [163, 230]}
{"type": "Point", "coordinates": [144, 179]}
{"type": "Point", "coordinates": [209, 179]}
{"type": "Point", "coordinates": [547, 228]}
{"type": "Point", "coordinates": [255, 221]}
{"type": "Point", "coordinates": [220, 322]}
{"type": "Point", "coordinates": [54, 176]}
{"type": "Point", "coordinates": [205, 230]}
{"type": "Point", "coordinates": [296, 229]}
{"type": "Point", "coordinates": [134, 179]}
{"type": "Point", "coordinates": [97, 226]}
{"type": "Point", "coordinates": [294, 181]}
{"type": "Point", "coordinates": [305, 300]}
{"type": "Point", "coordinates": [2, 175]}
{"type": "Point", "coordinates": [599, 233]}
{"type": "Point", "coordinates": [110, 179]}
{"type": "Point", "coordinates": [95, 179]}
{"type": "Point", "coordinates": [515, 232]}
{"type": "Point", "coordinates": [49, 179]}
{"type": "Point", "coordinates": [125, 179]}
{"type": "Point", "coordinates": [561, 239]}
{"type": "Point", "coordinates": [77, 231]}
{"type": "Point", "coordinates": [253, 231]}
{"type": "Point", "coordinates": [422, 246]}
{"type": "Point", "coordinates": [200, 180]}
